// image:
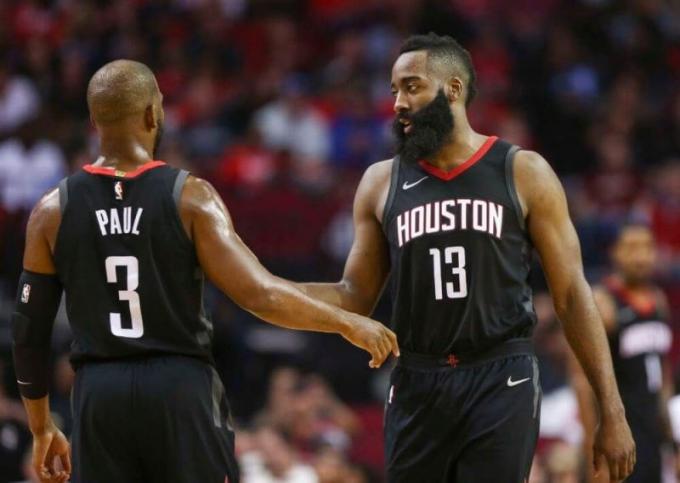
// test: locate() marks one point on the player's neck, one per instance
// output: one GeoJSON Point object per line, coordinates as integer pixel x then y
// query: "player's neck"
{"type": "Point", "coordinates": [635, 286]}
{"type": "Point", "coordinates": [463, 144]}
{"type": "Point", "coordinates": [123, 152]}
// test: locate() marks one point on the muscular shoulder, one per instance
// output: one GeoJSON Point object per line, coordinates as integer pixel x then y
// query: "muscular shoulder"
{"type": "Point", "coordinates": [200, 200]}
{"type": "Point", "coordinates": [46, 216]}
{"type": "Point", "coordinates": [536, 181]}
{"type": "Point", "coordinates": [376, 176]}
{"type": "Point", "coordinates": [197, 194]}
{"type": "Point", "coordinates": [41, 234]}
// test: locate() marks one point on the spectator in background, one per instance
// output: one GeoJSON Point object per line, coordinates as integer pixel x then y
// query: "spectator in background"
{"type": "Point", "coordinates": [19, 99]}
{"type": "Point", "coordinates": [563, 464]}
{"type": "Point", "coordinates": [662, 212]}
{"type": "Point", "coordinates": [291, 124]}
{"type": "Point", "coordinates": [29, 164]}
{"type": "Point", "coordinates": [613, 184]}
{"type": "Point", "coordinates": [271, 460]}
{"type": "Point", "coordinates": [246, 165]}
{"type": "Point", "coordinates": [356, 131]}
{"type": "Point", "coordinates": [15, 439]}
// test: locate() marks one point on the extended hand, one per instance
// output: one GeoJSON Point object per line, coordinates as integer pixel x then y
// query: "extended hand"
{"type": "Point", "coordinates": [374, 338]}
{"type": "Point", "coordinates": [47, 446]}
{"type": "Point", "coordinates": [615, 444]}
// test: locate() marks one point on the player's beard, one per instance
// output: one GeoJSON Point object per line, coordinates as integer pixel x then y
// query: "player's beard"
{"type": "Point", "coordinates": [431, 129]}
{"type": "Point", "coordinates": [157, 140]}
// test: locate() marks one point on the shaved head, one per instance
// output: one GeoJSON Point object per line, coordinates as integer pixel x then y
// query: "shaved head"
{"type": "Point", "coordinates": [120, 89]}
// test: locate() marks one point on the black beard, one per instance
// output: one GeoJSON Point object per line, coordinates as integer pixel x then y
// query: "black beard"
{"type": "Point", "coordinates": [157, 141]}
{"type": "Point", "coordinates": [431, 128]}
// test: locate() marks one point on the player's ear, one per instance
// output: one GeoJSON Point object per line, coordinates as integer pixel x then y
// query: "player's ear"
{"type": "Point", "coordinates": [454, 89]}
{"type": "Point", "coordinates": [150, 117]}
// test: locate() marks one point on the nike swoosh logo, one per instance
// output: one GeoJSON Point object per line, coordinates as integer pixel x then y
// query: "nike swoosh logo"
{"type": "Point", "coordinates": [408, 186]}
{"type": "Point", "coordinates": [24, 383]}
{"type": "Point", "coordinates": [512, 383]}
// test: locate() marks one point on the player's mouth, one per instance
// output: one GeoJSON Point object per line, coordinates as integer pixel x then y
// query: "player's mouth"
{"type": "Point", "coordinates": [408, 127]}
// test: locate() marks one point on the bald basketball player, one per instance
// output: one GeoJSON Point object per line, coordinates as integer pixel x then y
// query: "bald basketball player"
{"type": "Point", "coordinates": [128, 240]}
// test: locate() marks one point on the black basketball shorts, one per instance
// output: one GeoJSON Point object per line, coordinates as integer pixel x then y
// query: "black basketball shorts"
{"type": "Point", "coordinates": [476, 422]}
{"type": "Point", "coordinates": [157, 419]}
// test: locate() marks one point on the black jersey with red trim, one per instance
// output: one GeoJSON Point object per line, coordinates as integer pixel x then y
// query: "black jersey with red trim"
{"type": "Point", "coordinates": [460, 254]}
{"type": "Point", "coordinates": [132, 281]}
{"type": "Point", "coordinates": [639, 341]}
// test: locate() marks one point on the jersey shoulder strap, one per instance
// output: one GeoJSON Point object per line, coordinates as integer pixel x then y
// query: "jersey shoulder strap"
{"type": "Point", "coordinates": [394, 182]}
{"type": "Point", "coordinates": [510, 183]}
{"type": "Point", "coordinates": [63, 195]}
{"type": "Point", "coordinates": [181, 178]}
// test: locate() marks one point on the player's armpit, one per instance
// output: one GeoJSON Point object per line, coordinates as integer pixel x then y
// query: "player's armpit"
{"type": "Point", "coordinates": [367, 265]}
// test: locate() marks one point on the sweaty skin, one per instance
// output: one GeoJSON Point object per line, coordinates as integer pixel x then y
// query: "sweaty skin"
{"type": "Point", "coordinates": [545, 210]}
{"type": "Point", "coordinates": [128, 137]}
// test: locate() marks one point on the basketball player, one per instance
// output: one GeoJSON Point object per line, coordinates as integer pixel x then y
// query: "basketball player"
{"type": "Point", "coordinates": [128, 239]}
{"type": "Point", "coordinates": [453, 218]}
{"type": "Point", "coordinates": [635, 313]}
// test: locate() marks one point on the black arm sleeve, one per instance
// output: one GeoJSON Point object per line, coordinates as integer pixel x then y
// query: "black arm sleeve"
{"type": "Point", "coordinates": [38, 299]}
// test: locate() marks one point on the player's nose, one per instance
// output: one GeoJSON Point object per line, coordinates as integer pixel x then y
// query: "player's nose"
{"type": "Point", "coordinates": [400, 104]}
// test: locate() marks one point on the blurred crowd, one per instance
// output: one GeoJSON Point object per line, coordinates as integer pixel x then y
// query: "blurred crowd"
{"type": "Point", "coordinates": [282, 104]}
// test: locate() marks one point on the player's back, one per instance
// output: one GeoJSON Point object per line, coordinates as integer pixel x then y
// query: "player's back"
{"type": "Point", "coordinates": [132, 281]}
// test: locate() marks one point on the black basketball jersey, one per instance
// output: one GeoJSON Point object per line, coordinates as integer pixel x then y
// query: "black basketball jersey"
{"type": "Point", "coordinates": [460, 254]}
{"type": "Point", "coordinates": [132, 281]}
{"type": "Point", "coordinates": [639, 341]}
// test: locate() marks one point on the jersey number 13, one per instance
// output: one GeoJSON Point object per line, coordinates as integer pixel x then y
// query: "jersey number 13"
{"type": "Point", "coordinates": [457, 269]}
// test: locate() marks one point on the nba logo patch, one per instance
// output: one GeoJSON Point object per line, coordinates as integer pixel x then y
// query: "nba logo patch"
{"type": "Point", "coordinates": [25, 293]}
{"type": "Point", "coordinates": [118, 190]}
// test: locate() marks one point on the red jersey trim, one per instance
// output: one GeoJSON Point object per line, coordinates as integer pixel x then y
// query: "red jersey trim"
{"type": "Point", "coordinates": [122, 174]}
{"type": "Point", "coordinates": [449, 175]}
{"type": "Point", "coordinates": [645, 306]}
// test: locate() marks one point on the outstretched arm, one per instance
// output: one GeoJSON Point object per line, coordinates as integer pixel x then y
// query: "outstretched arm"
{"type": "Point", "coordinates": [37, 303]}
{"type": "Point", "coordinates": [554, 236]}
{"type": "Point", "coordinates": [235, 270]}
{"type": "Point", "coordinates": [367, 265]}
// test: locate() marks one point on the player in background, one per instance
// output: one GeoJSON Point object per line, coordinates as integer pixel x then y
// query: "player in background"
{"type": "Point", "coordinates": [453, 218]}
{"type": "Point", "coordinates": [635, 313]}
{"type": "Point", "coordinates": [128, 240]}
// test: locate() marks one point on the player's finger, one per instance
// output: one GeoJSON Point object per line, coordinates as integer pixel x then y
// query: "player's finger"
{"type": "Point", "coordinates": [613, 468]}
{"type": "Point", "coordinates": [385, 348]}
{"type": "Point", "coordinates": [631, 463]}
{"type": "Point", "coordinates": [375, 356]}
{"type": "Point", "coordinates": [379, 356]}
{"type": "Point", "coordinates": [394, 344]}
{"type": "Point", "coordinates": [596, 462]}
{"type": "Point", "coordinates": [66, 461]}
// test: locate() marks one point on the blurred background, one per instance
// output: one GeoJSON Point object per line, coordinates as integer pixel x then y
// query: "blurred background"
{"type": "Point", "coordinates": [282, 104]}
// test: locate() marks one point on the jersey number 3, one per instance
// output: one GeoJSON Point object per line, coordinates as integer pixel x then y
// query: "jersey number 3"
{"type": "Point", "coordinates": [129, 295]}
{"type": "Point", "coordinates": [457, 270]}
